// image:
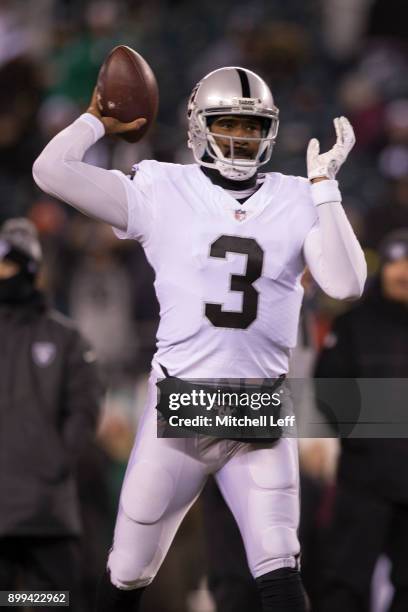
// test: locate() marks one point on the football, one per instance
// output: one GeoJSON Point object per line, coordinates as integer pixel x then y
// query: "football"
{"type": "Point", "coordinates": [127, 90]}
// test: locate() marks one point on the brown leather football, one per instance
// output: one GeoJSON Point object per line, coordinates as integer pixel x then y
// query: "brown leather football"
{"type": "Point", "coordinates": [127, 90]}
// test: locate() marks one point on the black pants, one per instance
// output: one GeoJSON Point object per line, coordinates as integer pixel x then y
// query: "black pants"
{"type": "Point", "coordinates": [364, 526]}
{"type": "Point", "coordinates": [40, 563]}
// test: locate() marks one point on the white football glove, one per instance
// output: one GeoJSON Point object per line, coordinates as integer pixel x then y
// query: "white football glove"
{"type": "Point", "coordinates": [328, 164]}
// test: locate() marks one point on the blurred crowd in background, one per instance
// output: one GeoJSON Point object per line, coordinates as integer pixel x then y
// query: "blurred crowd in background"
{"type": "Point", "coordinates": [321, 58]}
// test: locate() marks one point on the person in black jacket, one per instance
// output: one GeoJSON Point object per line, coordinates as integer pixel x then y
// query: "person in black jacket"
{"type": "Point", "coordinates": [371, 504]}
{"type": "Point", "coordinates": [49, 404]}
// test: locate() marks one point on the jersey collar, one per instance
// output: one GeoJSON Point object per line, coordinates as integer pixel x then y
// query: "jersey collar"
{"type": "Point", "coordinates": [252, 207]}
{"type": "Point", "coordinates": [217, 179]}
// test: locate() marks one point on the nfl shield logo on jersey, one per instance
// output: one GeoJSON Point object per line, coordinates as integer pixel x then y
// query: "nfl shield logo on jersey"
{"type": "Point", "coordinates": [43, 353]}
{"type": "Point", "coordinates": [240, 214]}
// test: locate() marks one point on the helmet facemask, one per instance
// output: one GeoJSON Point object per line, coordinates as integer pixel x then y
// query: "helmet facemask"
{"type": "Point", "coordinates": [232, 155]}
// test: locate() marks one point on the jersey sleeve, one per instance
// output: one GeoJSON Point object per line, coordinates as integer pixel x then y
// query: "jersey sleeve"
{"type": "Point", "coordinates": [140, 193]}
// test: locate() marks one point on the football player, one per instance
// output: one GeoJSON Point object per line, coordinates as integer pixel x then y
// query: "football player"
{"type": "Point", "coordinates": [228, 246]}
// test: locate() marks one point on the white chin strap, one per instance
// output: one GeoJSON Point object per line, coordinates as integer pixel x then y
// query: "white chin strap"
{"type": "Point", "coordinates": [235, 173]}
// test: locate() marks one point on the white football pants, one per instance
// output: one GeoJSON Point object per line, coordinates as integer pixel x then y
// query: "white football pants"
{"type": "Point", "coordinates": [259, 482]}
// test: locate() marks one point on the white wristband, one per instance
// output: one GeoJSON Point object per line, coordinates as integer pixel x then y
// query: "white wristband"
{"type": "Point", "coordinates": [95, 123]}
{"type": "Point", "coordinates": [325, 191]}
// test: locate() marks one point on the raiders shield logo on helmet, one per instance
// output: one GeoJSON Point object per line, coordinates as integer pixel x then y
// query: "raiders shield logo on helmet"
{"type": "Point", "coordinates": [44, 353]}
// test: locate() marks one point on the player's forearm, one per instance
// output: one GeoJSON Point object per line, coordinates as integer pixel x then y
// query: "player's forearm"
{"type": "Point", "coordinates": [60, 172]}
{"type": "Point", "coordinates": [332, 251]}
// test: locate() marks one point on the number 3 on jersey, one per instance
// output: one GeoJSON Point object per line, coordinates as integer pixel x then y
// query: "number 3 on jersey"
{"type": "Point", "coordinates": [239, 282]}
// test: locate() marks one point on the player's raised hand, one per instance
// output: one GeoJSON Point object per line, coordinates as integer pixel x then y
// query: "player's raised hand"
{"type": "Point", "coordinates": [112, 125]}
{"type": "Point", "coordinates": [326, 165]}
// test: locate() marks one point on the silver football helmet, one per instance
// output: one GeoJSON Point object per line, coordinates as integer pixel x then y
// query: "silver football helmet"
{"type": "Point", "coordinates": [231, 91]}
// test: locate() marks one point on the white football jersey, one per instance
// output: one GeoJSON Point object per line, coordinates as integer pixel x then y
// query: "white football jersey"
{"type": "Point", "coordinates": [227, 275]}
